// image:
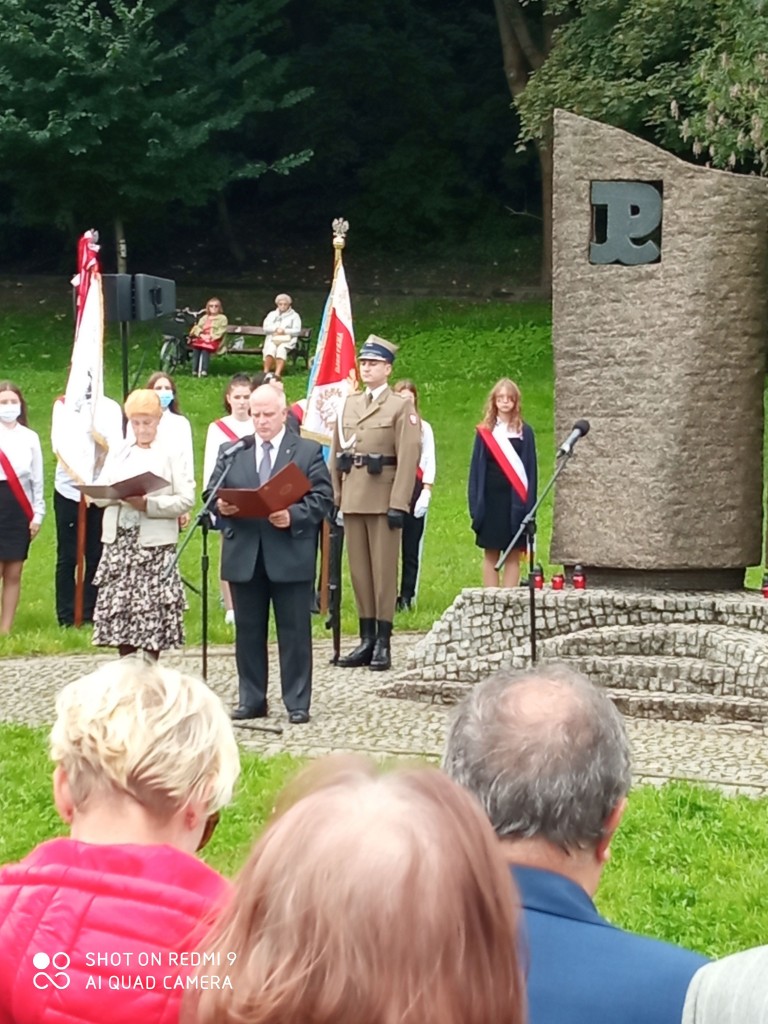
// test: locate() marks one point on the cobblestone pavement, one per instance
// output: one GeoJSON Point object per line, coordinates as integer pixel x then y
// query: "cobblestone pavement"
{"type": "Point", "coordinates": [348, 715]}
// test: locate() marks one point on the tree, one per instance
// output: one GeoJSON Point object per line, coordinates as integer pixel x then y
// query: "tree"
{"type": "Point", "coordinates": [116, 107]}
{"type": "Point", "coordinates": [526, 31]}
{"type": "Point", "coordinates": [689, 76]}
{"type": "Point", "coordinates": [409, 127]}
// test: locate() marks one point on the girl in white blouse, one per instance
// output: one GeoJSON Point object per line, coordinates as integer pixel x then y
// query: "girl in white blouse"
{"type": "Point", "coordinates": [175, 431]}
{"type": "Point", "coordinates": [228, 429]}
{"type": "Point", "coordinates": [22, 505]}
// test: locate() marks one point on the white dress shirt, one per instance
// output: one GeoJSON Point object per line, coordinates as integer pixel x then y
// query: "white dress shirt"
{"type": "Point", "coordinates": [215, 438]}
{"type": "Point", "coordinates": [111, 426]}
{"type": "Point", "coordinates": [428, 459]}
{"type": "Point", "coordinates": [276, 441]}
{"type": "Point", "coordinates": [22, 448]}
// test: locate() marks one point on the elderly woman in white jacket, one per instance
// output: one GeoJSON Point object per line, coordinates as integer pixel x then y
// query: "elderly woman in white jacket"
{"type": "Point", "coordinates": [140, 606]}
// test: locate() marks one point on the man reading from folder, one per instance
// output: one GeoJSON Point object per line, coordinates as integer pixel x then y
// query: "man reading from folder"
{"type": "Point", "coordinates": [272, 559]}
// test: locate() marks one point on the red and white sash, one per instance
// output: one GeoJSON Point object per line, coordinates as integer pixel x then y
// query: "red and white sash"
{"type": "Point", "coordinates": [506, 458]}
{"type": "Point", "coordinates": [227, 431]}
{"type": "Point", "coordinates": [15, 484]}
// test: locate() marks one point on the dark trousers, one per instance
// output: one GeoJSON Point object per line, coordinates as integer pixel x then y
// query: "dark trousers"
{"type": "Point", "coordinates": [291, 602]}
{"type": "Point", "coordinates": [413, 531]}
{"type": "Point", "coordinates": [65, 510]}
{"type": "Point", "coordinates": [201, 359]}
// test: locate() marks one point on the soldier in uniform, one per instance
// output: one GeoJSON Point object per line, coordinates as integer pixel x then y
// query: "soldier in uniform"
{"type": "Point", "coordinates": [374, 458]}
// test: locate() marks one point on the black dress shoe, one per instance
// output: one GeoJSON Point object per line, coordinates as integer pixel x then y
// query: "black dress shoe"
{"type": "Point", "coordinates": [241, 712]}
{"type": "Point", "coordinates": [381, 659]}
{"type": "Point", "coordinates": [361, 655]}
{"type": "Point", "coordinates": [298, 717]}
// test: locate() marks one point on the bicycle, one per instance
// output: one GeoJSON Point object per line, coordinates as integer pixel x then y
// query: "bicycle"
{"type": "Point", "coordinates": [175, 351]}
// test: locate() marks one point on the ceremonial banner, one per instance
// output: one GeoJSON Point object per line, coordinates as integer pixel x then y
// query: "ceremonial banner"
{"type": "Point", "coordinates": [334, 372]}
{"type": "Point", "coordinates": [79, 431]}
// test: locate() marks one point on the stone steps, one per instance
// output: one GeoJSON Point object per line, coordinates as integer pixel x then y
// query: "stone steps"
{"type": "Point", "coordinates": [692, 707]}
{"type": "Point", "coordinates": [699, 657]}
{"type": "Point", "coordinates": [710, 641]}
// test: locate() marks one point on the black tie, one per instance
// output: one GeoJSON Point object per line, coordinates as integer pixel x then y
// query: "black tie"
{"type": "Point", "coordinates": [368, 398]}
{"type": "Point", "coordinates": [265, 469]}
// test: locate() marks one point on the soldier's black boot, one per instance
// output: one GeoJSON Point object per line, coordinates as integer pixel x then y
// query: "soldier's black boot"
{"type": "Point", "coordinates": [363, 653]}
{"type": "Point", "coordinates": [382, 659]}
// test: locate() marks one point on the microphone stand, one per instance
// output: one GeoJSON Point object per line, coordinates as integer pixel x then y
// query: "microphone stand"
{"type": "Point", "coordinates": [528, 527]}
{"type": "Point", "coordinates": [203, 520]}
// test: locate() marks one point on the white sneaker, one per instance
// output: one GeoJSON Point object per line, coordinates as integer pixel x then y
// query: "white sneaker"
{"type": "Point", "coordinates": [229, 617]}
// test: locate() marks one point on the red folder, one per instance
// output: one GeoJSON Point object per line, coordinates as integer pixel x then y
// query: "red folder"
{"type": "Point", "coordinates": [133, 487]}
{"type": "Point", "coordinates": [287, 486]}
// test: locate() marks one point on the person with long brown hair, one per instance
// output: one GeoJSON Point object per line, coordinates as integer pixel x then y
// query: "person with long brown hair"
{"type": "Point", "coordinates": [205, 337]}
{"type": "Point", "coordinates": [175, 430]}
{"type": "Point", "coordinates": [370, 899]}
{"type": "Point", "coordinates": [22, 504]}
{"type": "Point", "coordinates": [502, 481]}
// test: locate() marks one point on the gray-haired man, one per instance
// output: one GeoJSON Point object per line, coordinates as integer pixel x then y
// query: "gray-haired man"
{"type": "Point", "coordinates": [546, 754]}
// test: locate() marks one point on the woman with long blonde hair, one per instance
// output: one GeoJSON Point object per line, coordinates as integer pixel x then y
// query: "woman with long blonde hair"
{"type": "Point", "coordinates": [502, 481]}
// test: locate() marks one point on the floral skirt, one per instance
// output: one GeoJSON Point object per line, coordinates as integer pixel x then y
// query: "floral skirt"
{"type": "Point", "coordinates": [137, 605]}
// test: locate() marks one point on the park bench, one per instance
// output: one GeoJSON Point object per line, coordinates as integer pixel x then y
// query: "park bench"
{"type": "Point", "coordinates": [238, 331]}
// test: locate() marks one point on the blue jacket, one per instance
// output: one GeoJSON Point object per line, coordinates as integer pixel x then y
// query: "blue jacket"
{"type": "Point", "coordinates": [477, 471]}
{"type": "Point", "coordinates": [583, 970]}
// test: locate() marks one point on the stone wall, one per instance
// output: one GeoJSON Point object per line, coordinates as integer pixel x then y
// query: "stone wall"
{"type": "Point", "coordinates": [701, 657]}
{"type": "Point", "coordinates": [665, 360]}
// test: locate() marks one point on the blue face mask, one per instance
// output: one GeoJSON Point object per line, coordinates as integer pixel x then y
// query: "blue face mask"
{"type": "Point", "coordinates": [166, 397]}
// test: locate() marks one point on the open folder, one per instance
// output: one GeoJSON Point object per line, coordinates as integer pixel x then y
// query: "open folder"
{"type": "Point", "coordinates": [133, 487]}
{"type": "Point", "coordinates": [282, 489]}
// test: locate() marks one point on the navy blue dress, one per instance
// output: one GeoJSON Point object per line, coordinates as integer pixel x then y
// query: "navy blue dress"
{"type": "Point", "coordinates": [495, 508]}
{"type": "Point", "coordinates": [500, 523]}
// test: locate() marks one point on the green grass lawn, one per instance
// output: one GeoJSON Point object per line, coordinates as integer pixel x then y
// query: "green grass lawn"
{"type": "Point", "coordinates": [688, 864]}
{"type": "Point", "coordinates": [454, 350]}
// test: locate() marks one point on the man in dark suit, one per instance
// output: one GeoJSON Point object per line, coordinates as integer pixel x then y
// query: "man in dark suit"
{"type": "Point", "coordinates": [546, 754]}
{"type": "Point", "coordinates": [273, 560]}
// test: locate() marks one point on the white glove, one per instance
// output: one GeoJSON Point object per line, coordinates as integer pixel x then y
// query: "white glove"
{"type": "Point", "coordinates": [422, 504]}
{"type": "Point", "coordinates": [339, 518]}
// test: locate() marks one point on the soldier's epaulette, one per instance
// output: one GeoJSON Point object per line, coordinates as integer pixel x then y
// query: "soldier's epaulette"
{"type": "Point", "coordinates": [401, 396]}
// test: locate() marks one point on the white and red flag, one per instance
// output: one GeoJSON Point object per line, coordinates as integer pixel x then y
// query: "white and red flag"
{"type": "Point", "coordinates": [334, 371]}
{"type": "Point", "coordinates": [82, 415]}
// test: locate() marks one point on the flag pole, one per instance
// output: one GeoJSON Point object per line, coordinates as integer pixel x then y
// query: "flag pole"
{"type": "Point", "coordinates": [340, 228]}
{"type": "Point", "coordinates": [80, 563]}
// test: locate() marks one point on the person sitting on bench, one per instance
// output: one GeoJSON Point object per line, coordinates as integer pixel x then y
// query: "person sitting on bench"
{"type": "Point", "coordinates": [283, 325]}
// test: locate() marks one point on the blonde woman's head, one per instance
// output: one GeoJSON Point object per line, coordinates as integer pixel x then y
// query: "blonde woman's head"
{"type": "Point", "coordinates": [153, 734]}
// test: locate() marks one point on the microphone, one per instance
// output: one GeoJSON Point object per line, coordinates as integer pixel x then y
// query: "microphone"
{"type": "Point", "coordinates": [248, 442]}
{"type": "Point", "coordinates": [580, 428]}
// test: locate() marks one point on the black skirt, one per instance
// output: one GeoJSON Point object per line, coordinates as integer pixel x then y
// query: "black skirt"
{"type": "Point", "coordinates": [14, 527]}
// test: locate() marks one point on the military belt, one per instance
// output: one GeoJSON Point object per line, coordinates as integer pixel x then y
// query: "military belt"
{"type": "Point", "coordinates": [374, 460]}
